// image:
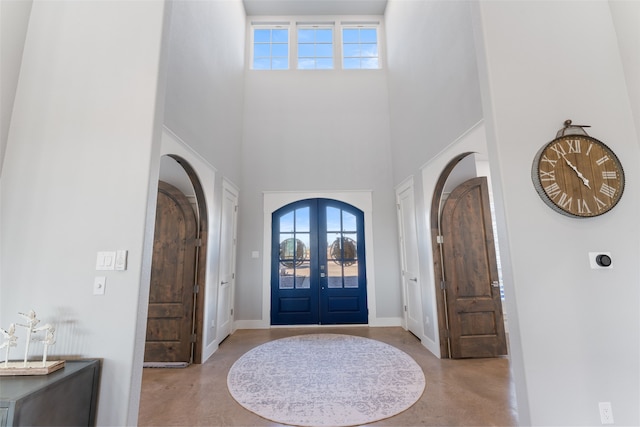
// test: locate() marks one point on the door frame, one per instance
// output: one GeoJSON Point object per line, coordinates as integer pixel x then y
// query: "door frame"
{"type": "Point", "coordinates": [408, 187]}
{"type": "Point", "coordinates": [438, 268]}
{"type": "Point", "coordinates": [467, 196]}
{"type": "Point", "coordinates": [201, 270]}
{"type": "Point", "coordinates": [177, 209]}
{"type": "Point", "coordinates": [321, 297]}
{"type": "Point", "coordinates": [228, 187]}
{"type": "Point", "coordinates": [273, 200]}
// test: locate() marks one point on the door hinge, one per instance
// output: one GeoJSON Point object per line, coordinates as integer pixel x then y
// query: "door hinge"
{"type": "Point", "coordinates": [439, 239]}
{"type": "Point", "coordinates": [398, 205]}
{"type": "Point", "coordinates": [194, 337]}
{"type": "Point", "coordinates": [443, 284]}
{"type": "Point", "coordinates": [232, 311]}
{"type": "Point", "coordinates": [196, 289]}
{"type": "Point", "coordinates": [233, 275]}
{"type": "Point", "coordinates": [235, 208]}
{"type": "Point", "coordinates": [405, 308]}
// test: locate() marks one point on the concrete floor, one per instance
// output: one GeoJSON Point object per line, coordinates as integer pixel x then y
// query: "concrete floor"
{"type": "Point", "coordinates": [470, 392]}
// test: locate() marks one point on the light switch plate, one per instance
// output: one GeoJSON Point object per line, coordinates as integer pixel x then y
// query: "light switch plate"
{"type": "Point", "coordinates": [106, 260]}
{"type": "Point", "coordinates": [121, 260]}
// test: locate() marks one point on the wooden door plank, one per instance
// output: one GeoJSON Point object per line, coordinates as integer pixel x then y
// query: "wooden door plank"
{"type": "Point", "coordinates": [473, 302]}
{"type": "Point", "coordinates": [170, 314]}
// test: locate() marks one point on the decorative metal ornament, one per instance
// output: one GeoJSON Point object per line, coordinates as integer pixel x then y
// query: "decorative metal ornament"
{"type": "Point", "coordinates": [344, 251]}
{"type": "Point", "coordinates": [292, 252]}
{"type": "Point", "coordinates": [578, 175]}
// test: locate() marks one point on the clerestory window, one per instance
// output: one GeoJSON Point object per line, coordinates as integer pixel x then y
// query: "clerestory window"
{"type": "Point", "coordinates": [360, 48]}
{"type": "Point", "coordinates": [270, 48]}
{"type": "Point", "coordinates": [315, 45]}
{"type": "Point", "coordinates": [315, 48]}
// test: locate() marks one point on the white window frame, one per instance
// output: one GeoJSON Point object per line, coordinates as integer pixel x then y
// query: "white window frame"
{"type": "Point", "coordinates": [361, 25]}
{"type": "Point", "coordinates": [318, 26]}
{"type": "Point", "coordinates": [337, 26]}
{"type": "Point", "coordinates": [271, 26]}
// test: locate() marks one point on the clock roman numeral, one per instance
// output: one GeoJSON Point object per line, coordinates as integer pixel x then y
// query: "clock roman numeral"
{"type": "Point", "coordinates": [565, 201]}
{"type": "Point", "coordinates": [574, 145]}
{"type": "Point", "coordinates": [589, 149]}
{"type": "Point", "coordinates": [547, 176]}
{"type": "Point", "coordinates": [548, 160]}
{"type": "Point", "coordinates": [558, 149]}
{"type": "Point", "coordinates": [607, 190]}
{"type": "Point", "coordinates": [601, 160]}
{"type": "Point", "coordinates": [583, 207]}
{"type": "Point", "coordinates": [599, 203]}
{"type": "Point", "coordinates": [609, 175]}
{"type": "Point", "coordinates": [552, 190]}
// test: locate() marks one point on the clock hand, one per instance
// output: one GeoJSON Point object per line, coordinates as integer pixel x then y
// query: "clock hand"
{"type": "Point", "coordinates": [585, 181]}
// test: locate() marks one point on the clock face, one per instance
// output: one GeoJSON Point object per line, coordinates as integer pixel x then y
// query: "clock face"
{"type": "Point", "coordinates": [578, 176]}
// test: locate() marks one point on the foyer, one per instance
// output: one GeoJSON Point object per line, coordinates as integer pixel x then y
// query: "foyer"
{"type": "Point", "coordinates": [457, 393]}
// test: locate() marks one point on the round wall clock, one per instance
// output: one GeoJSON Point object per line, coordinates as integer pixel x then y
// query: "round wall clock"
{"type": "Point", "coordinates": [577, 175]}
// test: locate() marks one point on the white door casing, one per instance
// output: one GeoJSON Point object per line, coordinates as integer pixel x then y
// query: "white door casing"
{"type": "Point", "coordinates": [412, 298]}
{"type": "Point", "coordinates": [276, 199]}
{"type": "Point", "coordinates": [227, 267]}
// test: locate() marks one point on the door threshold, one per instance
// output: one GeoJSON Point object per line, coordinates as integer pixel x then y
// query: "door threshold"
{"type": "Point", "coordinates": [165, 364]}
{"type": "Point", "coordinates": [345, 325]}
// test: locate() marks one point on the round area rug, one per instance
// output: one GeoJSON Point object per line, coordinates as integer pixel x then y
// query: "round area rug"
{"type": "Point", "coordinates": [325, 380]}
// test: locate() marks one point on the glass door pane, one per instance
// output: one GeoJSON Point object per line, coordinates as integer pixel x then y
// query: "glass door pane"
{"type": "Point", "coordinates": [295, 250]}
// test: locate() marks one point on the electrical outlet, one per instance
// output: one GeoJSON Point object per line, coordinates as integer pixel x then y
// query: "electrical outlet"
{"type": "Point", "coordinates": [606, 413]}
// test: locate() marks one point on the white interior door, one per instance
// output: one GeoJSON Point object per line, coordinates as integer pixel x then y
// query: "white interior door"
{"type": "Point", "coordinates": [409, 254]}
{"type": "Point", "coordinates": [227, 260]}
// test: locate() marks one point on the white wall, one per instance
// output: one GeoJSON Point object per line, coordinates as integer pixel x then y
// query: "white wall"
{"type": "Point", "coordinates": [316, 131]}
{"type": "Point", "coordinates": [205, 80]}
{"type": "Point", "coordinates": [83, 144]}
{"type": "Point", "coordinates": [14, 20]}
{"type": "Point", "coordinates": [434, 93]}
{"type": "Point", "coordinates": [203, 113]}
{"type": "Point", "coordinates": [626, 19]}
{"type": "Point", "coordinates": [577, 329]}
{"type": "Point", "coordinates": [434, 98]}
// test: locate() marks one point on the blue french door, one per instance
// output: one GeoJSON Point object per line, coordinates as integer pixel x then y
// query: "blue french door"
{"type": "Point", "coordinates": [318, 264]}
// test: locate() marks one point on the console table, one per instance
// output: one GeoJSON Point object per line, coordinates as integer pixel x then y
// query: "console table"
{"type": "Point", "coordinates": [66, 397]}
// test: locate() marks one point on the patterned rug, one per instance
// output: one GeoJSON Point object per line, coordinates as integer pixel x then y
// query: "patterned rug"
{"type": "Point", "coordinates": [325, 380]}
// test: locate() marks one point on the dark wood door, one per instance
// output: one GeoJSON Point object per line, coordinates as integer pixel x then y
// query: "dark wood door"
{"type": "Point", "coordinates": [474, 306]}
{"type": "Point", "coordinates": [170, 318]}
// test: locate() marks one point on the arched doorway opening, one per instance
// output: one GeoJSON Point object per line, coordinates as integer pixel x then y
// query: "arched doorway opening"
{"type": "Point", "coordinates": [466, 264]}
{"type": "Point", "coordinates": [179, 183]}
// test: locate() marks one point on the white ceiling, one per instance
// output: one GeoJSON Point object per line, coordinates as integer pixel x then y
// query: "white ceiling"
{"type": "Point", "coordinates": [314, 7]}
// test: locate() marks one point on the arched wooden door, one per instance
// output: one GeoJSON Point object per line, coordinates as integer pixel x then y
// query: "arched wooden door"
{"type": "Point", "coordinates": [171, 294]}
{"type": "Point", "coordinates": [474, 306]}
{"type": "Point", "coordinates": [318, 264]}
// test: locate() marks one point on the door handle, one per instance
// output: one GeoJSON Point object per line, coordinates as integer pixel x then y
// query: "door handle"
{"type": "Point", "coordinates": [223, 283]}
{"type": "Point", "coordinates": [415, 279]}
